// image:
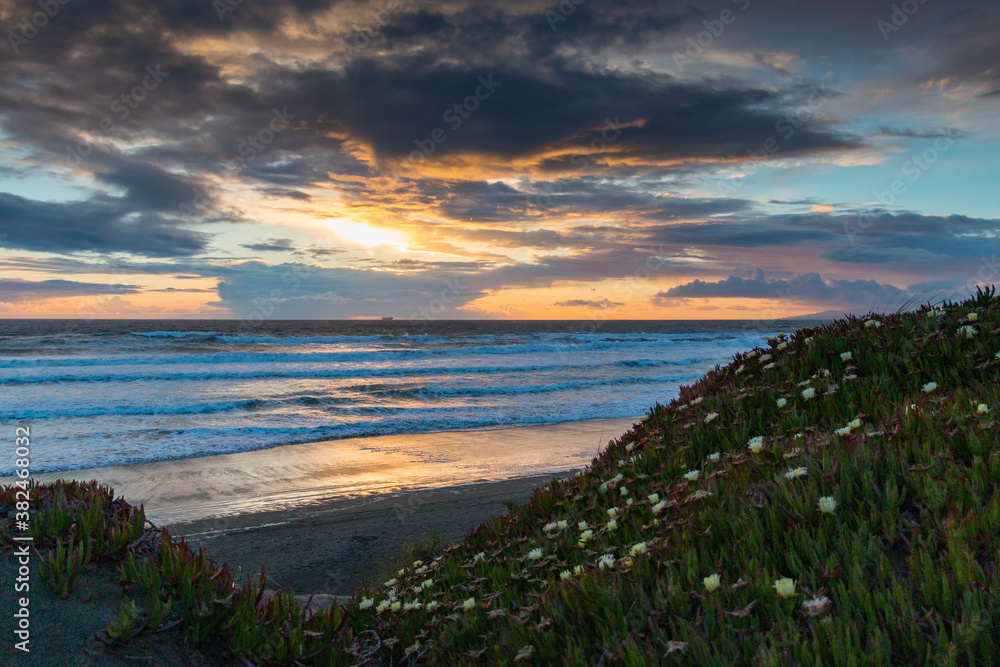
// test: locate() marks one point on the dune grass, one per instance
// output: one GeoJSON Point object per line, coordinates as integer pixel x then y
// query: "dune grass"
{"type": "Point", "coordinates": [833, 499]}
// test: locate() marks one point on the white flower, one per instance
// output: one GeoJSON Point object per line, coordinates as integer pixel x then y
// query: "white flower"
{"type": "Point", "coordinates": [710, 416]}
{"type": "Point", "coordinates": [432, 605]}
{"type": "Point", "coordinates": [629, 501]}
{"type": "Point", "coordinates": [843, 431]}
{"type": "Point", "coordinates": [550, 526]}
{"type": "Point", "coordinates": [816, 606]}
{"type": "Point", "coordinates": [629, 447]}
{"type": "Point", "coordinates": [741, 369]}
{"type": "Point", "coordinates": [366, 603]}
{"type": "Point", "coordinates": [479, 556]}
{"type": "Point", "coordinates": [809, 339]}
{"type": "Point", "coordinates": [382, 606]}
{"type": "Point", "coordinates": [691, 475]}
{"type": "Point", "coordinates": [795, 472]}
{"type": "Point", "coordinates": [578, 569]}
{"type": "Point", "coordinates": [983, 408]}
{"type": "Point", "coordinates": [417, 563]}
{"type": "Point", "coordinates": [612, 524]}
{"type": "Point", "coordinates": [973, 317]}
{"type": "Point", "coordinates": [562, 525]}
{"type": "Point", "coordinates": [696, 401]}
{"type": "Point", "coordinates": [711, 582]}
{"type": "Point", "coordinates": [755, 443]}
{"type": "Point", "coordinates": [782, 346]}
{"type": "Point", "coordinates": [714, 457]}
{"type": "Point", "coordinates": [929, 387]}
{"type": "Point", "coordinates": [765, 357]}
{"type": "Point", "coordinates": [586, 535]}
{"type": "Point", "coordinates": [968, 330]}
{"type": "Point", "coordinates": [409, 606]}
{"type": "Point", "coordinates": [770, 366]}
{"type": "Point", "coordinates": [469, 604]}
{"type": "Point", "coordinates": [624, 490]}
{"type": "Point", "coordinates": [997, 355]}
{"type": "Point", "coordinates": [654, 497]}
{"type": "Point", "coordinates": [808, 393]}
{"type": "Point", "coordinates": [535, 554]}
{"type": "Point", "coordinates": [621, 462]}
{"type": "Point", "coordinates": [396, 606]}
{"type": "Point", "coordinates": [800, 435]}
{"type": "Point", "coordinates": [872, 323]}
{"type": "Point", "coordinates": [854, 423]}
{"type": "Point", "coordinates": [612, 512]}
{"type": "Point", "coordinates": [564, 574]}
{"type": "Point", "coordinates": [606, 561]}
{"type": "Point", "coordinates": [846, 356]}
{"type": "Point", "coordinates": [638, 548]}
{"type": "Point", "coordinates": [658, 507]}
{"type": "Point", "coordinates": [782, 402]}
{"type": "Point", "coordinates": [390, 583]}
{"type": "Point", "coordinates": [827, 504]}
{"type": "Point", "coordinates": [752, 353]}
{"type": "Point", "coordinates": [426, 583]}
{"type": "Point", "coordinates": [582, 525]}
{"type": "Point", "coordinates": [785, 587]}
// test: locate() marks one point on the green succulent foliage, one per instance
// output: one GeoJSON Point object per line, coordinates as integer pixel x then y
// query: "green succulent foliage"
{"type": "Point", "coordinates": [831, 500]}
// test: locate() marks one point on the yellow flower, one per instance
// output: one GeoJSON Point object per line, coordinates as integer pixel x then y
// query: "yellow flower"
{"type": "Point", "coordinates": [973, 317]}
{"type": "Point", "coordinates": [582, 525]}
{"type": "Point", "coordinates": [658, 507]}
{"type": "Point", "coordinates": [795, 472]}
{"type": "Point", "coordinates": [755, 444]}
{"type": "Point", "coordinates": [390, 583]}
{"type": "Point", "coordinates": [562, 525]}
{"type": "Point", "coordinates": [469, 604]}
{"type": "Point", "coordinates": [711, 582]}
{"type": "Point", "coordinates": [785, 587]}
{"type": "Point", "coordinates": [827, 504]}
{"type": "Point", "coordinates": [872, 323]}
{"type": "Point", "coordinates": [613, 524]}
{"type": "Point", "coordinates": [564, 574]}
{"type": "Point", "coordinates": [612, 512]}
{"type": "Point", "coordinates": [654, 497]}
{"type": "Point", "coordinates": [782, 346]}
{"type": "Point", "coordinates": [414, 647]}
{"type": "Point", "coordinates": [983, 408]}
{"type": "Point", "coordinates": [396, 606]}
{"type": "Point", "coordinates": [578, 569]}
{"type": "Point", "coordinates": [710, 416]}
{"type": "Point", "coordinates": [426, 583]}
{"type": "Point", "coordinates": [638, 548]}
{"type": "Point", "coordinates": [382, 606]}
{"type": "Point", "coordinates": [624, 491]}
{"type": "Point", "coordinates": [586, 535]}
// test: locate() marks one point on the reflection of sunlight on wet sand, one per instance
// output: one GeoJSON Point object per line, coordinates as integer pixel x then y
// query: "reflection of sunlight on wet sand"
{"type": "Point", "coordinates": [294, 477]}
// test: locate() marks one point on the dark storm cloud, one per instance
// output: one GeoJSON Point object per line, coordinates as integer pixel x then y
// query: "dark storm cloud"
{"type": "Point", "coordinates": [100, 225]}
{"type": "Point", "coordinates": [15, 290]}
{"type": "Point", "coordinates": [805, 287]}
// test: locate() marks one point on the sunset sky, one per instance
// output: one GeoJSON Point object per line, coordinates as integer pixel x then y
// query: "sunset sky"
{"type": "Point", "coordinates": [737, 159]}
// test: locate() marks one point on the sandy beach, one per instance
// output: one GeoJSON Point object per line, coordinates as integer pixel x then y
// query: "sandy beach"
{"type": "Point", "coordinates": [323, 516]}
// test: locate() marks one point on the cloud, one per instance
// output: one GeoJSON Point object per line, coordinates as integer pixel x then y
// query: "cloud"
{"type": "Point", "coordinates": [271, 245]}
{"type": "Point", "coordinates": [104, 224]}
{"type": "Point", "coordinates": [807, 287]}
{"type": "Point", "coordinates": [13, 290]}
{"type": "Point", "coordinates": [585, 303]}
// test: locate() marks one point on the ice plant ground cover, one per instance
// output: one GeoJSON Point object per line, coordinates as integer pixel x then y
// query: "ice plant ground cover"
{"type": "Point", "coordinates": [877, 542]}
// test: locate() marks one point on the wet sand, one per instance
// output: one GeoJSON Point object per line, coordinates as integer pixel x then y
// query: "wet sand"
{"type": "Point", "coordinates": [295, 478]}
{"type": "Point", "coordinates": [325, 516]}
{"type": "Point", "coordinates": [345, 542]}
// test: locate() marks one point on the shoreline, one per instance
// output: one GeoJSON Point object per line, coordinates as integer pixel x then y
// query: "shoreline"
{"type": "Point", "coordinates": [347, 542]}
{"type": "Point", "coordinates": [300, 478]}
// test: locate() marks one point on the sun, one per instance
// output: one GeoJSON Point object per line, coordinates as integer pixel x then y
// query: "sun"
{"type": "Point", "coordinates": [368, 236]}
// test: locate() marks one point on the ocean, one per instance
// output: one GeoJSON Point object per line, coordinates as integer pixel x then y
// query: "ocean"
{"type": "Point", "coordinates": [100, 393]}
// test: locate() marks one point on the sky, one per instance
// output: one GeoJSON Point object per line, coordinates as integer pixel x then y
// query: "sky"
{"type": "Point", "coordinates": [589, 159]}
